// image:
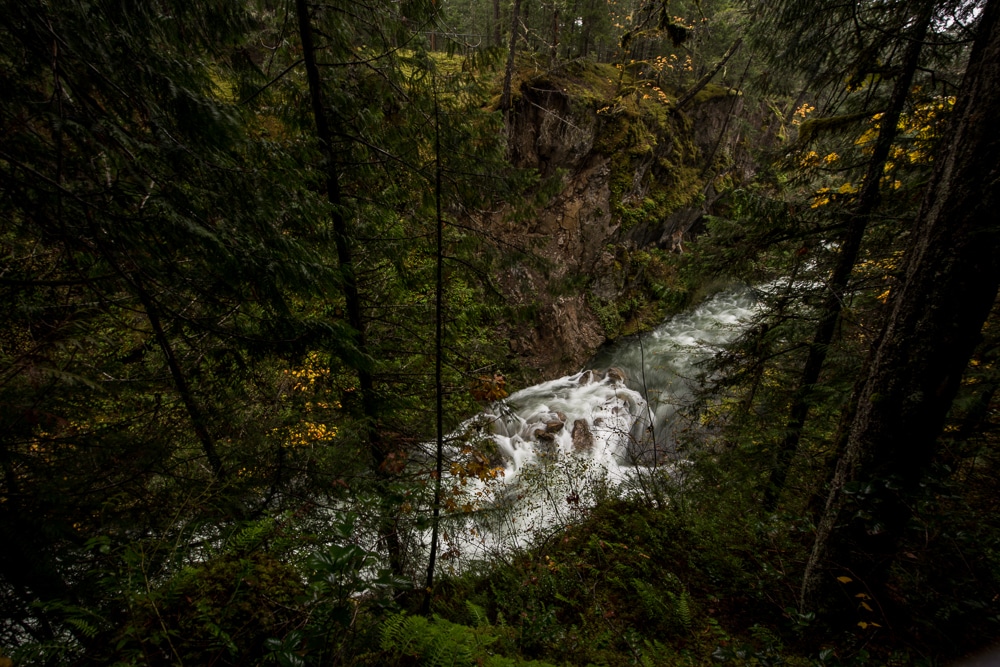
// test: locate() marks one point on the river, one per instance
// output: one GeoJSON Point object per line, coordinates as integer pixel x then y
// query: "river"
{"type": "Point", "coordinates": [554, 449]}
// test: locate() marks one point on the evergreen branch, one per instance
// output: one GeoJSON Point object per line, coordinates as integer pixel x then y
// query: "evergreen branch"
{"type": "Point", "coordinates": [271, 82]}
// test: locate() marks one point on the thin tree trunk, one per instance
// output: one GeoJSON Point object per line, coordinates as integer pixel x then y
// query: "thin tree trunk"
{"type": "Point", "coordinates": [187, 398]}
{"type": "Point", "coordinates": [497, 36]}
{"type": "Point", "coordinates": [553, 55]}
{"type": "Point", "coordinates": [850, 245]}
{"type": "Point", "coordinates": [341, 233]}
{"type": "Point", "coordinates": [952, 273]}
{"type": "Point", "coordinates": [438, 356]}
{"type": "Point", "coordinates": [505, 97]}
{"type": "Point", "coordinates": [433, 31]}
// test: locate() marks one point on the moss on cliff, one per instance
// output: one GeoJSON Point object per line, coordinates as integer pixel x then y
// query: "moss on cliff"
{"type": "Point", "coordinates": [588, 130]}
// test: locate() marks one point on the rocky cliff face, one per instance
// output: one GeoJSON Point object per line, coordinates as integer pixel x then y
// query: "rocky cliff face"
{"type": "Point", "coordinates": [621, 172]}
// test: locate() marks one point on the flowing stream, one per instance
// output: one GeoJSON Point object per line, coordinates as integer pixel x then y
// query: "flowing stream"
{"type": "Point", "coordinates": [552, 449]}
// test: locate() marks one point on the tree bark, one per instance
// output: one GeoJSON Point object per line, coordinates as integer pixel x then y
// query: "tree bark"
{"type": "Point", "coordinates": [433, 27]}
{"type": "Point", "coordinates": [554, 53]}
{"type": "Point", "coordinates": [850, 245]}
{"type": "Point", "coordinates": [951, 277]}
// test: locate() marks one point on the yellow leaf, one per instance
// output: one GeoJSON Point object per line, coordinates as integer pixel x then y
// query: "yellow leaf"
{"type": "Point", "coordinates": [865, 605]}
{"type": "Point", "coordinates": [863, 596]}
{"type": "Point", "coordinates": [844, 580]}
{"type": "Point", "coordinates": [862, 625]}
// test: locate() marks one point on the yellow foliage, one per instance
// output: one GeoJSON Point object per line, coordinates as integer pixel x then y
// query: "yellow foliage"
{"type": "Point", "coordinates": [809, 159]}
{"type": "Point", "coordinates": [311, 379]}
{"type": "Point", "coordinates": [486, 388]}
{"type": "Point", "coordinates": [920, 127]}
{"type": "Point", "coordinates": [801, 113]}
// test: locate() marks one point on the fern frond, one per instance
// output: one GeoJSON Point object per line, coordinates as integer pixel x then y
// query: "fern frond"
{"type": "Point", "coordinates": [250, 537]}
{"type": "Point", "coordinates": [477, 614]}
{"type": "Point", "coordinates": [406, 635]}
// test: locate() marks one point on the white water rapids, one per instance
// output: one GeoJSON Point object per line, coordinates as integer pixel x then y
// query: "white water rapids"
{"type": "Point", "coordinates": [552, 448]}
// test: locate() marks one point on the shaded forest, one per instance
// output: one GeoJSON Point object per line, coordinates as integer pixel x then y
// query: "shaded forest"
{"type": "Point", "coordinates": [271, 272]}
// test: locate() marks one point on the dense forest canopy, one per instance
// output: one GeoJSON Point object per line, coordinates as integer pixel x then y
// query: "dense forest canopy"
{"type": "Point", "coordinates": [262, 264]}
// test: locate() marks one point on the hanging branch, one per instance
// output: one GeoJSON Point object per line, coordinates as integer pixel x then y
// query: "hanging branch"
{"type": "Point", "coordinates": [703, 81]}
{"type": "Point", "coordinates": [194, 412]}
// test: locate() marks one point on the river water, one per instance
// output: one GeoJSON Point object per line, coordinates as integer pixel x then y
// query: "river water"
{"type": "Point", "coordinates": [553, 449]}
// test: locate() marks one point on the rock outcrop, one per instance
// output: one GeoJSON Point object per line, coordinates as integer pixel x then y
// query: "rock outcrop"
{"type": "Point", "coordinates": [616, 171]}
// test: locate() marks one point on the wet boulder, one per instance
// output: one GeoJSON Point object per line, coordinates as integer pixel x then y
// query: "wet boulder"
{"type": "Point", "coordinates": [583, 439]}
{"type": "Point", "coordinates": [616, 375]}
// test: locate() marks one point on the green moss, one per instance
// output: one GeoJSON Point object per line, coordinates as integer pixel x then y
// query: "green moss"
{"type": "Point", "coordinates": [811, 128]}
{"type": "Point", "coordinates": [608, 316]}
{"type": "Point", "coordinates": [714, 91]}
{"type": "Point", "coordinates": [550, 187]}
{"type": "Point", "coordinates": [589, 86]}
{"type": "Point", "coordinates": [655, 169]}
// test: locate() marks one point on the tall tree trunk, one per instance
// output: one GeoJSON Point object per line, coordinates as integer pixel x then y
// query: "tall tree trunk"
{"type": "Point", "coordinates": [952, 273]}
{"type": "Point", "coordinates": [438, 355]}
{"type": "Point", "coordinates": [508, 75]}
{"type": "Point", "coordinates": [341, 233]}
{"type": "Point", "coordinates": [433, 30]}
{"type": "Point", "coordinates": [850, 245]}
{"type": "Point", "coordinates": [554, 53]}
{"type": "Point", "coordinates": [497, 36]}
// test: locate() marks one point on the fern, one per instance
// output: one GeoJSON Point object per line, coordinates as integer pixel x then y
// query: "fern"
{"type": "Point", "coordinates": [251, 537]}
{"type": "Point", "coordinates": [85, 628]}
{"type": "Point", "coordinates": [655, 653]}
{"type": "Point", "coordinates": [682, 608]}
{"type": "Point", "coordinates": [450, 647]}
{"type": "Point", "coordinates": [678, 610]}
{"type": "Point", "coordinates": [652, 603]}
{"type": "Point", "coordinates": [477, 614]}
{"type": "Point", "coordinates": [441, 643]}
{"type": "Point", "coordinates": [405, 635]}
{"type": "Point", "coordinates": [437, 643]}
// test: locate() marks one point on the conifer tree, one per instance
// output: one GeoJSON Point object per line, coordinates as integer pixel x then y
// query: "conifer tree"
{"type": "Point", "coordinates": [149, 263]}
{"type": "Point", "coordinates": [850, 245]}
{"type": "Point", "coordinates": [854, 67]}
{"type": "Point", "coordinates": [948, 286]}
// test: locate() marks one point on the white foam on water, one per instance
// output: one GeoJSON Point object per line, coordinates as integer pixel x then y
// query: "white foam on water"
{"type": "Point", "coordinates": [554, 447]}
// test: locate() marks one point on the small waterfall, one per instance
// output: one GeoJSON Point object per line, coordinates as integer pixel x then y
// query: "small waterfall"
{"type": "Point", "coordinates": [530, 463]}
